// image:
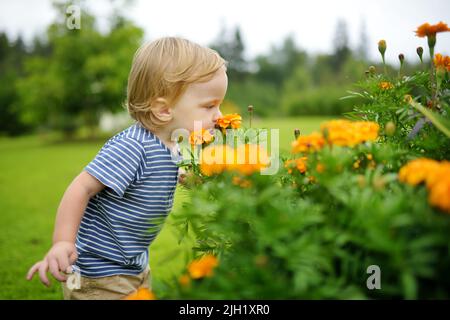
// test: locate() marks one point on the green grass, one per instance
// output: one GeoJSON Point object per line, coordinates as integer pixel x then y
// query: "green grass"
{"type": "Point", "coordinates": [34, 173]}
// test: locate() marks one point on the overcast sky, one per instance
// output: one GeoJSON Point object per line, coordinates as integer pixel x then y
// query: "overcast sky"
{"type": "Point", "coordinates": [263, 23]}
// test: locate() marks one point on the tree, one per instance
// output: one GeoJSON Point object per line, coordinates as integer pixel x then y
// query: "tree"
{"type": "Point", "coordinates": [341, 51]}
{"type": "Point", "coordinates": [12, 54]}
{"type": "Point", "coordinates": [230, 45]}
{"type": "Point", "coordinates": [281, 62]}
{"type": "Point", "coordinates": [84, 74]}
{"type": "Point", "coordinates": [363, 41]}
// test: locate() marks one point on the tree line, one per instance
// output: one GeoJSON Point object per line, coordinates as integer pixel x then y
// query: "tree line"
{"type": "Point", "coordinates": [65, 79]}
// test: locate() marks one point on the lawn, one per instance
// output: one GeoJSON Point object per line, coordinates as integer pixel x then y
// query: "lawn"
{"type": "Point", "coordinates": [34, 175]}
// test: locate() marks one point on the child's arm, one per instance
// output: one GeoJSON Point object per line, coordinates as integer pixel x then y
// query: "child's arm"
{"type": "Point", "coordinates": [70, 212]}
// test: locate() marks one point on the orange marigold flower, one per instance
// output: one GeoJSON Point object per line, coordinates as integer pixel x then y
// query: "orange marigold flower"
{"type": "Point", "coordinates": [243, 183]}
{"type": "Point", "coordinates": [439, 194]}
{"type": "Point", "coordinates": [203, 267]}
{"type": "Point", "coordinates": [417, 171]}
{"type": "Point", "coordinates": [215, 158]}
{"type": "Point", "coordinates": [184, 280]}
{"type": "Point", "coordinates": [426, 29]}
{"type": "Point", "coordinates": [408, 98]}
{"type": "Point", "coordinates": [201, 137]}
{"type": "Point", "coordinates": [232, 120]}
{"type": "Point", "coordinates": [299, 164]}
{"type": "Point", "coordinates": [141, 294]}
{"type": "Point", "coordinates": [385, 85]}
{"type": "Point", "coordinates": [320, 168]}
{"type": "Point", "coordinates": [308, 143]}
{"type": "Point", "coordinates": [438, 173]}
{"type": "Point", "coordinates": [349, 133]}
{"type": "Point", "coordinates": [248, 159]}
{"type": "Point", "coordinates": [442, 62]}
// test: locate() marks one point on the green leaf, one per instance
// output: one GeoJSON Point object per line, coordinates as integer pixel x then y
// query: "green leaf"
{"type": "Point", "coordinates": [440, 122]}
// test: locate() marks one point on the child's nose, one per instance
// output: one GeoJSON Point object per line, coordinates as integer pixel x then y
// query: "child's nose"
{"type": "Point", "coordinates": [217, 115]}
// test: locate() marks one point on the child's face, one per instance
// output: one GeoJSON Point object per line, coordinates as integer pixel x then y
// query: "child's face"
{"type": "Point", "coordinates": [201, 102]}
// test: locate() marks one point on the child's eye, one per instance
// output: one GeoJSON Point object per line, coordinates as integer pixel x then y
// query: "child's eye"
{"type": "Point", "coordinates": [210, 107]}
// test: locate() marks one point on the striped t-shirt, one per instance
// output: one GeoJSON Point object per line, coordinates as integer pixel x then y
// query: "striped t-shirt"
{"type": "Point", "coordinates": [120, 222]}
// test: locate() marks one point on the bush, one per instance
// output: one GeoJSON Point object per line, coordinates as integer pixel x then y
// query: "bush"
{"type": "Point", "coordinates": [371, 191]}
{"type": "Point", "coordinates": [318, 101]}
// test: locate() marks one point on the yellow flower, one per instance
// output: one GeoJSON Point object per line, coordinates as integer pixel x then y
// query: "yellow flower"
{"type": "Point", "coordinates": [243, 183]}
{"type": "Point", "coordinates": [439, 195]}
{"type": "Point", "coordinates": [382, 46]}
{"type": "Point", "coordinates": [203, 267]}
{"type": "Point", "coordinates": [245, 159]}
{"type": "Point", "coordinates": [442, 62]}
{"type": "Point", "coordinates": [417, 171]}
{"type": "Point", "coordinates": [308, 143]}
{"type": "Point", "coordinates": [349, 133]}
{"type": "Point", "coordinates": [214, 159]}
{"type": "Point", "coordinates": [200, 137]}
{"type": "Point", "coordinates": [184, 280]}
{"type": "Point", "coordinates": [435, 174]}
{"type": "Point", "coordinates": [141, 294]}
{"type": "Point", "coordinates": [299, 164]}
{"type": "Point", "coordinates": [320, 168]}
{"type": "Point", "coordinates": [248, 159]}
{"type": "Point", "coordinates": [385, 85]}
{"type": "Point", "coordinates": [440, 172]}
{"type": "Point", "coordinates": [232, 120]}
{"type": "Point", "coordinates": [407, 98]}
{"type": "Point", "coordinates": [426, 29]}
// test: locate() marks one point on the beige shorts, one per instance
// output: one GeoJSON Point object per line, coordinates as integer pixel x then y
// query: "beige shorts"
{"type": "Point", "coordinates": [108, 288]}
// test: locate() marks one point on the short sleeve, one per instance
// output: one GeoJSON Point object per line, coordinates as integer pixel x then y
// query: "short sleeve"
{"type": "Point", "coordinates": [118, 164]}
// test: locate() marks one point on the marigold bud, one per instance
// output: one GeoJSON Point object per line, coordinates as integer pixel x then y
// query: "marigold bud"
{"type": "Point", "coordinates": [389, 128]}
{"type": "Point", "coordinates": [382, 47]}
{"type": "Point", "coordinates": [408, 98]}
{"type": "Point", "coordinates": [419, 51]}
{"type": "Point", "coordinates": [401, 57]}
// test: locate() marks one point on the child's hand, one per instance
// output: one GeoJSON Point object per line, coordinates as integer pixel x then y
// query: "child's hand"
{"type": "Point", "coordinates": [59, 259]}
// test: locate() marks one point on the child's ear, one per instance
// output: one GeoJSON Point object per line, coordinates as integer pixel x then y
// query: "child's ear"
{"type": "Point", "coordinates": [161, 109]}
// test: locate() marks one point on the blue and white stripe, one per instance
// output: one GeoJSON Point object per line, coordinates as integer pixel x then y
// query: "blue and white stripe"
{"type": "Point", "coordinates": [121, 221]}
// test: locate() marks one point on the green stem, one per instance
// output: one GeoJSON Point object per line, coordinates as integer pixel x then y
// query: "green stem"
{"type": "Point", "coordinates": [433, 78]}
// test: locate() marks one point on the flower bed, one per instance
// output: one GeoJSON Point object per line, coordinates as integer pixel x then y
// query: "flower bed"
{"type": "Point", "coordinates": [372, 190]}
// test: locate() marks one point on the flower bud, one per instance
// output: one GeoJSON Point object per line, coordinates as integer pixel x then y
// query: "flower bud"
{"type": "Point", "coordinates": [379, 183]}
{"type": "Point", "coordinates": [382, 47]}
{"type": "Point", "coordinates": [401, 57]}
{"type": "Point", "coordinates": [296, 133]}
{"type": "Point", "coordinates": [408, 98]}
{"type": "Point", "coordinates": [419, 51]}
{"type": "Point", "coordinates": [389, 128]}
{"type": "Point", "coordinates": [372, 70]}
{"type": "Point", "coordinates": [361, 181]}
{"type": "Point", "coordinates": [250, 108]}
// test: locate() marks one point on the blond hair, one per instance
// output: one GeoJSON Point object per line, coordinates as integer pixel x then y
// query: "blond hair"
{"type": "Point", "coordinates": [164, 68]}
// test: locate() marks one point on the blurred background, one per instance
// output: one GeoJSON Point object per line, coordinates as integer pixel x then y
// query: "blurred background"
{"type": "Point", "coordinates": [63, 76]}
